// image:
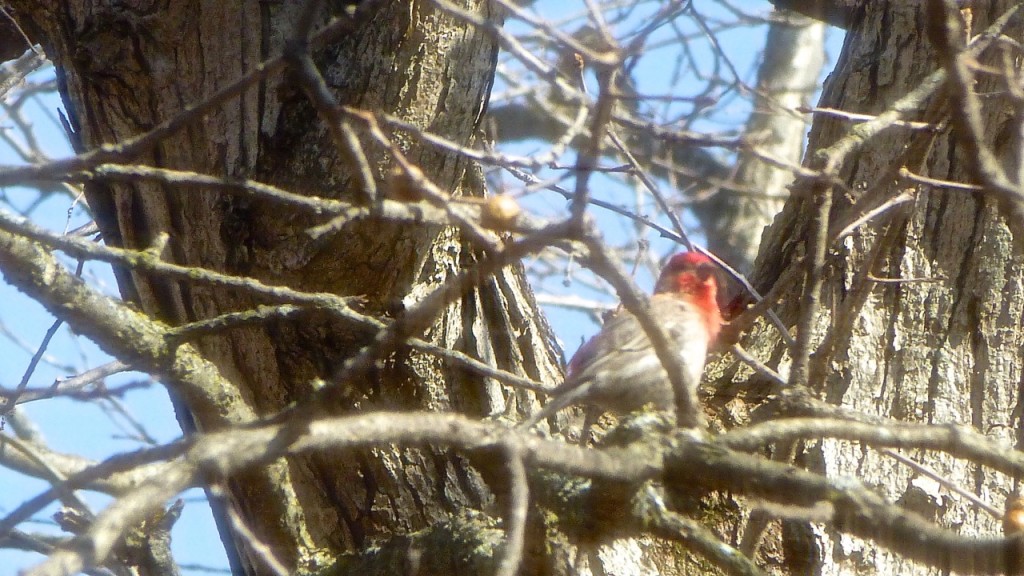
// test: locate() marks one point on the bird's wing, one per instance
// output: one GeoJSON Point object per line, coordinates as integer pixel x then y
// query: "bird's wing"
{"type": "Point", "coordinates": [622, 347]}
{"type": "Point", "coordinates": [620, 333]}
{"type": "Point", "coordinates": [623, 340]}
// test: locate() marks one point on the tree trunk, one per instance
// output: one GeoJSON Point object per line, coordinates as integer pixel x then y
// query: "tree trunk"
{"type": "Point", "coordinates": [920, 314]}
{"type": "Point", "coordinates": [735, 221]}
{"type": "Point", "coordinates": [125, 68]}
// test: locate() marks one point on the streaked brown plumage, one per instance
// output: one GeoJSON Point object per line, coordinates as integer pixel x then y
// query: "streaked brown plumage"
{"type": "Point", "coordinates": [618, 370]}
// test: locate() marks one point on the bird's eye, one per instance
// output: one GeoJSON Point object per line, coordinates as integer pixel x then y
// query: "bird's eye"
{"type": "Point", "coordinates": [704, 272]}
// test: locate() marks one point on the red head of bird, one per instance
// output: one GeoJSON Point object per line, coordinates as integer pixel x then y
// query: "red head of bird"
{"type": "Point", "coordinates": [692, 276]}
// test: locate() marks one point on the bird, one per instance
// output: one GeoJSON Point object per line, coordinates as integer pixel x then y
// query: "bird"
{"type": "Point", "coordinates": [618, 369]}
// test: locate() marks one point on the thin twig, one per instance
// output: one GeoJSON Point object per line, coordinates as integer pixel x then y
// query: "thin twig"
{"type": "Point", "coordinates": [945, 482]}
{"type": "Point", "coordinates": [694, 535]}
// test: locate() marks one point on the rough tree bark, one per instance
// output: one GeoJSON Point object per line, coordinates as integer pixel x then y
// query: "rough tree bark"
{"type": "Point", "coordinates": [125, 68]}
{"type": "Point", "coordinates": [920, 315]}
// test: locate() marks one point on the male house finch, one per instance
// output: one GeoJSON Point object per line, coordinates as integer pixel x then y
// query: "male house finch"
{"type": "Point", "coordinates": [618, 370]}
